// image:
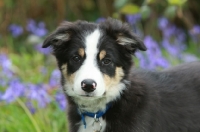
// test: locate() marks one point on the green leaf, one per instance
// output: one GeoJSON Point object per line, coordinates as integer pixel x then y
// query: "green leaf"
{"type": "Point", "coordinates": [177, 2]}
{"type": "Point", "coordinates": [119, 3]}
{"type": "Point", "coordinates": [170, 12]}
{"type": "Point", "coordinates": [145, 11]}
{"type": "Point", "coordinates": [9, 3]}
{"type": "Point", "coordinates": [88, 4]}
{"type": "Point", "coordinates": [150, 1]}
{"type": "Point", "coordinates": [130, 9]}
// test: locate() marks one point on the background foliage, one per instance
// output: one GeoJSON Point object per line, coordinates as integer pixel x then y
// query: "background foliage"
{"type": "Point", "coordinates": [31, 98]}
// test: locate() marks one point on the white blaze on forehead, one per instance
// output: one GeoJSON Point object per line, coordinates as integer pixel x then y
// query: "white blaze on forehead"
{"type": "Point", "coordinates": [91, 42]}
{"type": "Point", "coordinates": [91, 50]}
{"type": "Point", "coordinates": [89, 68]}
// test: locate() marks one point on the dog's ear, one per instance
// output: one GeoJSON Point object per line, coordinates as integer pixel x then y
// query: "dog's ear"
{"type": "Point", "coordinates": [123, 35]}
{"type": "Point", "coordinates": [131, 42]}
{"type": "Point", "coordinates": [60, 35]}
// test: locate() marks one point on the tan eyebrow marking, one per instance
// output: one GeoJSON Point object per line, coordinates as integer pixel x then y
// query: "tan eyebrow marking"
{"type": "Point", "coordinates": [81, 52]}
{"type": "Point", "coordinates": [102, 54]}
{"type": "Point", "coordinates": [69, 78]}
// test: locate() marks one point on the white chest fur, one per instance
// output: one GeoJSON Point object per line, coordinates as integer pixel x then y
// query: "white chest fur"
{"type": "Point", "coordinates": [91, 126]}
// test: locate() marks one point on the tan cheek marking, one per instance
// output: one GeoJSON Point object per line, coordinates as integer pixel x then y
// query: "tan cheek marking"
{"type": "Point", "coordinates": [69, 78]}
{"type": "Point", "coordinates": [119, 74]}
{"type": "Point", "coordinates": [81, 52]}
{"type": "Point", "coordinates": [102, 54]}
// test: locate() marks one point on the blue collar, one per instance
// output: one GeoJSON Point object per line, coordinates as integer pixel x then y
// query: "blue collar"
{"type": "Point", "coordinates": [98, 114]}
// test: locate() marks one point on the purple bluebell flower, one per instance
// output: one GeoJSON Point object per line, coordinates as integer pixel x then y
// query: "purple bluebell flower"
{"type": "Point", "coordinates": [175, 49]}
{"type": "Point", "coordinates": [173, 38]}
{"type": "Point", "coordinates": [101, 19]}
{"type": "Point", "coordinates": [195, 30]}
{"type": "Point", "coordinates": [195, 33]}
{"type": "Point", "coordinates": [39, 94]}
{"type": "Point", "coordinates": [152, 46]}
{"type": "Point", "coordinates": [31, 25]}
{"type": "Point", "coordinates": [55, 78]}
{"type": "Point", "coordinates": [7, 74]}
{"type": "Point", "coordinates": [30, 106]}
{"type": "Point", "coordinates": [45, 51]}
{"type": "Point", "coordinates": [5, 63]}
{"type": "Point", "coordinates": [3, 81]}
{"type": "Point", "coordinates": [170, 31]}
{"type": "Point", "coordinates": [168, 46]}
{"type": "Point", "coordinates": [15, 30]}
{"type": "Point", "coordinates": [43, 70]}
{"type": "Point", "coordinates": [161, 62]}
{"type": "Point", "coordinates": [163, 23]}
{"type": "Point", "coordinates": [180, 35]}
{"type": "Point", "coordinates": [143, 62]}
{"type": "Point", "coordinates": [133, 18]}
{"type": "Point", "coordinates": [37, 29]}
{"type": "Point", "coordinates": [15, 89]}
{"type": "Point", "coordinates": [153, 57]}
{"type": "Point", "coordinates": [61, 100]}
{"type": "Point", "coordinates": [180, 44]}
{"type": "Point", "coordinates": [1, 94]}
{"type": "Point", "coordinates": [186, 57]}
{"type": "Point", "coordinates": [166, 27]}
{"type": "Point", "coordinates": [6, 66]}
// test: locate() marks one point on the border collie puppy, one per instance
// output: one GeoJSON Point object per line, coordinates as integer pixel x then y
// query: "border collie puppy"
{"type": "Point", "coordinates": [104, 92]}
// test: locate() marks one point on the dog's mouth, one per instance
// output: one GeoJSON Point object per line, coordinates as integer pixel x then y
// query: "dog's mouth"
{"type": "Point", "coordinates": [90, 95]}
{"type": "Point", "coordinates": [87, 96]}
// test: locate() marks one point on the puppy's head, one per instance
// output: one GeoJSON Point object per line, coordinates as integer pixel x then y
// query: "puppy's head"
{"type": "Point", "coordinates": [94, 59]}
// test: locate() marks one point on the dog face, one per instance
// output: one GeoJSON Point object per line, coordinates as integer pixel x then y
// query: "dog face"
{"type": "Point", "coordinates": [94, 59]}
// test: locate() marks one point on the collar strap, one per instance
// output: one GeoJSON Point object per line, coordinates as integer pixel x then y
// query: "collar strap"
{"type": "Point", "coordinates": [93, 115]}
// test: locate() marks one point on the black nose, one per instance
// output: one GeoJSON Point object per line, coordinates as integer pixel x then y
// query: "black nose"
{"type": "Point", "coordinates": [88, 85]}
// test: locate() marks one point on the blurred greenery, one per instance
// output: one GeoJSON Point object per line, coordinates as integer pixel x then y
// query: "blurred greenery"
{"type": "Point", "coordinates": [53, 12]}
{"type": "Point", "coordinates": [16, 117]}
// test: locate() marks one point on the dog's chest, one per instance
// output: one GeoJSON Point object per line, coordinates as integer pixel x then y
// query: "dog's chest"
{"type": "Point", "coordinates": [92, 126]}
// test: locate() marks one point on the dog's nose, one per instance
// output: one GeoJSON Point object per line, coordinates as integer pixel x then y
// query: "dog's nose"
{"type": "Point", "coordinates": [88, 85]}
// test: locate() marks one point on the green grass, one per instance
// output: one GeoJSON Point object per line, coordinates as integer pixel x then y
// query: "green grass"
{"type": "Point", "coordinates": [28, 66]}
{"type": "Point", "coordinates": [15, 117]}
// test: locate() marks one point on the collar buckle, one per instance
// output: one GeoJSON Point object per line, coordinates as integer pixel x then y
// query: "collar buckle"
{"type": "Point", "coordinates": [98, 122]}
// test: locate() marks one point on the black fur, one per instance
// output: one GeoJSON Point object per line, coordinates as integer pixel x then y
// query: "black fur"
{"type": "Point", "coordinates": [166, 101]}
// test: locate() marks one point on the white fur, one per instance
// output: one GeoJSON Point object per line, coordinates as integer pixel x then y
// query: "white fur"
{"type": "Point", "coordinates": [124, 40]}
{"type": "Point", "coordinates": [89, 127]}
{"type": "Point", "coordinates": [63, 37]}
{"type": "Point", "coordinates": [89, 69]}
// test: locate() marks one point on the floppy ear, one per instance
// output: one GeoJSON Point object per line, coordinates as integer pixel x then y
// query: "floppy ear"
{"type": "Point", "coordinates": [131, 42]}
{"type": "Point", "coordinates": [60, 35]}
{"type": "Point", "coordinates": [123, 34]}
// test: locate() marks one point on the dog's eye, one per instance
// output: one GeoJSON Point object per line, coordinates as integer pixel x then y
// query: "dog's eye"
{"type": "Point", "coordinates": [106, 61]}
{"type": "Point", "coordinates": [76, 58]}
